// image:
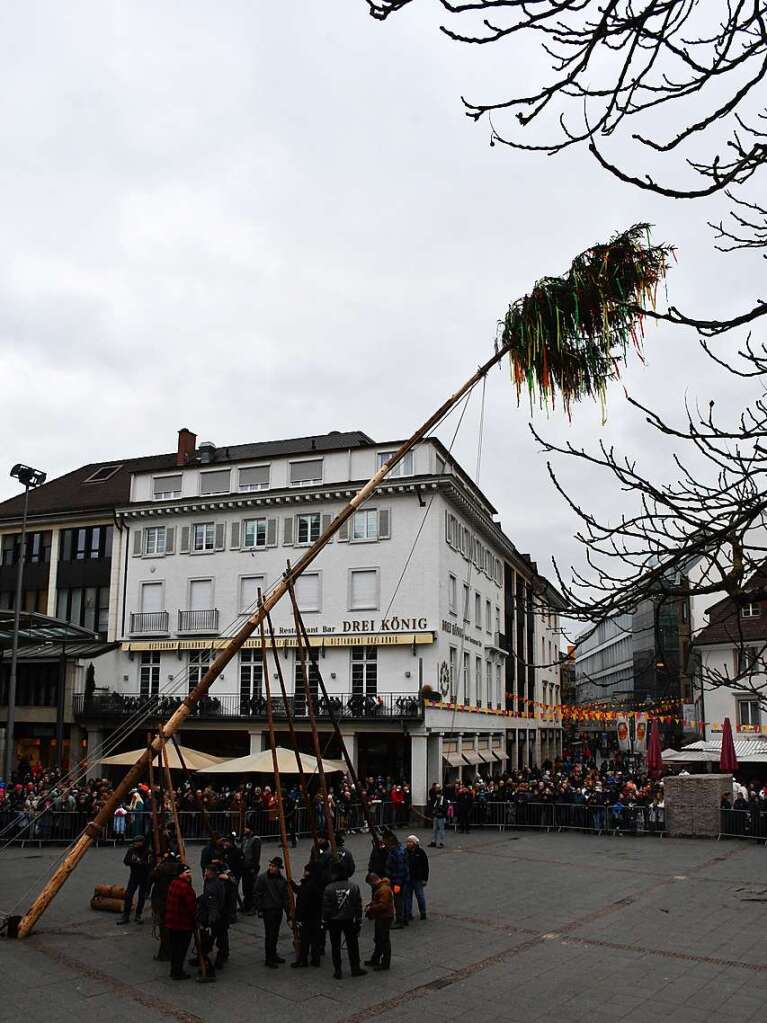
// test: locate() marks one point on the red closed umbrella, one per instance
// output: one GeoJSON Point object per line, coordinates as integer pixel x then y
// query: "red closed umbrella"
{"type": "Point", "coordinates": [654, 758]}
{"type": "Point", "coordinates": [728, 762]}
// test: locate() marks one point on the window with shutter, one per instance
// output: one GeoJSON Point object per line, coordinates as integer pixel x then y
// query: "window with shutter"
{"type": "Point", "coordinates": [302, 474]}
{"type": "Point", "coordinates": [151, 598]}
{"type": "Point", "coordinates": [363, 589]}
{"type": "Point", "coordinates": [254, 533]}
{"type": "Point", "coordinates": [365, 524]}
{"type": "Point", "coordinates": [307, 528]}
{"type": "Point", "coordinates": [184, 543]}
{"type": "Point", "coordinates": [154, 540]}
{"type": "Point", "coordinates": [234, 537]}
{"type": "Point", "coordinates": [271, 532]}
{"type": "Point", "coordinates": [447, 528]}
{"type": "Point", "coordinates": [287, 531]}
{"type": "Point", "coordinates": [254, 477]}
{"type": "Point", "coordinates": [165, 487]}
{"type": "Point", "coordinates": [220, 536]}
{"type": "Point", "coordinates": [309, 591]}
{"type": "Point", "coordinates": [138, 543]}
{"type": "Point", "coordinates": [170, 539]}
{"type": "Point", "coordinates": [201, 595]}
{"type": "Point", "coordinates": [216, 482]}
{"type": "Point", "coordinates": [343, 532]}
{"type": "Point", "coordinates": [249, 587]}
{"type": "Point", "coordinates": [203, 536]}
{"type": "Point", "coordinates": [326, 520]}
{"type": "Point", "coordinates": [384, 524]}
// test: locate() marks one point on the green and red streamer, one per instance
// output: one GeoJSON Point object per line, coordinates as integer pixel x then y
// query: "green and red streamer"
{"type": "Point", "coordinates": [571, 334]}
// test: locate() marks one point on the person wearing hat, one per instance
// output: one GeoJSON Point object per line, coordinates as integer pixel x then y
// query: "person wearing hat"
{"type": "Point", "coordinates": [163, 875]}
{"type": "Point", "coordinates": [271, 900]}
{"type": "Point", "coordinates": [137, 860]}
{"type": "Point", "coordinates": [418, 869]}
{"type": "Point", "coordinates": [381, 911]}
{"type": "Point", "coordinates": [180, 920]}
{"type": "Point", "coordinates": [251, 867]}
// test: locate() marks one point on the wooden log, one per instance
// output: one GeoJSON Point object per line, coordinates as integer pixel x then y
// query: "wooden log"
{"type": "Point", "coordinates": [101, 902]}
{"type": "Point", "coordinates": [110, 891]}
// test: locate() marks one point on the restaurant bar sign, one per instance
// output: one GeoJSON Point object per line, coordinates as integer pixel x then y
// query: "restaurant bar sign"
{"type": "Point", "coordinates": [365, 632]}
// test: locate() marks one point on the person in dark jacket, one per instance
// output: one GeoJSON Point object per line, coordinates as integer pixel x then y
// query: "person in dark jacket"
{"type": "Point", "coordinates": [437, 812]}
{"type": "Point", "coordinates": [212, 851]}
{"type": "Point", "coordinates": [137, 859]}
{"type": "Point", "coordinates": [180, 918]}
{"type": "Point", "coordinates": [418, 870]}
{"type": "Point", "coordinates": [214, 909]}
{"type": "Point", "coordinates": [342, 915]}
{"type": "Point", "coordinates": [464, 803]}
{"type": "Point", "coordinates": [271, 898]}
{"type": "Point", "coordinates": [161, 878]}
{"type": "Point", "coordinates": [343, 856]}
{"type": "Point", "coordinates": [398, 873]}
{"type": "Point", "coordinates": [309, 917]}
{"type": "Point", "coordinates": [381, 911]}
{"type": "Point", "coordinates": [378, 856]}
{"type": "Point", "coordinates": [251, 867]}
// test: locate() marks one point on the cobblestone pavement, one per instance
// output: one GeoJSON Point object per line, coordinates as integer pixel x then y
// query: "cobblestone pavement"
{"type": "Point", "coordinates": [522, 927]}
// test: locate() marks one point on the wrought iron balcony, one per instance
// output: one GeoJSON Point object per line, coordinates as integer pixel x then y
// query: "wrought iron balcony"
{"type": "Point", "coordinates": [238, 706]}
{"type": "Point", "coordinates": [152, 623]}
{"type": "Point", "coordinates": [198, 621]}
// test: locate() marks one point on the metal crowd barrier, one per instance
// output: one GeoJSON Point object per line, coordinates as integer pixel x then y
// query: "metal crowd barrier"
{"type": "Point", "coordinates": [633, 819]}
{"type": "Point", "coordinates": [63, 827]}
{"type": "Point", "coordinates": [751, 823]}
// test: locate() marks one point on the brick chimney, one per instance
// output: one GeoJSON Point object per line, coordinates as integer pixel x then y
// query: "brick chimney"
{"type": "Point", "coordinates": [187, 444]}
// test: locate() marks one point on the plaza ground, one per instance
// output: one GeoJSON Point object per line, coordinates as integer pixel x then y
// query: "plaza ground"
{"type": "Point", "coordinates": [522, 927]}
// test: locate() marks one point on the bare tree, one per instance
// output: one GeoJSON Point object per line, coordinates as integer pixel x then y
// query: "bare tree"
{"type": "Point", "coordinates": [613, 66]}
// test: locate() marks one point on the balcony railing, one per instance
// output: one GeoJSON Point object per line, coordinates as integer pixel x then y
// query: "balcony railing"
{"type": "Point", "coordinates": [198, 621]}
{"type": "Point", "coordinates": [149, 622]}
{"type": "Point", "coordinates": [237, 707]}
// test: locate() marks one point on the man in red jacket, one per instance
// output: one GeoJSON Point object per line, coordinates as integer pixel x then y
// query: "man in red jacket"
{"type": "Point", "coordinates": [180, 917]}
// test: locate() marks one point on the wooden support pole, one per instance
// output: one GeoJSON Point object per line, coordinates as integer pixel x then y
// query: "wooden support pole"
{"type": "Point", "coordinates": [200, 800]}
{"type": "Point", "coordinates": [329, 822]}
{"type": "Point", "coordinates": [278, 788]}
{"type": "Point", "coordinates": [172, 798]}
{"type": "Point", "coordinates": [314, 658]}
{"type": "Point", "coordinates": [176, 720]}
{"type": "Point", "coordinates": [157, 844]}
{"type": "Point", "coordinates": [302, 784]}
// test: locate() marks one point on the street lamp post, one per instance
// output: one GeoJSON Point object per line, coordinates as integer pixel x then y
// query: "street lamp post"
{"type": "Point", "coordinates": [29, 478]}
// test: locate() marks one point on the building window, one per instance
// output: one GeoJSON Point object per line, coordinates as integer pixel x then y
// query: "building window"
{"type": "Point", "coordinates": [365, 525]}
{"type": "Point", "coordinates": [203, 536]}
{"type": "Point", "coordinates": [199, 662]}
{"type": "Point", "coordinates": [86, 606]}
{"type": "Point", "coordinates": [403, 468]}
{"type": "Point", "coordinates": [255, 477]}
{"type": "Point", "coordinates": [363, 589]}
{"type": "Point", "coordinates": [488, 617]}
{"type": "Point", "coordinates": [303, 474]}
{"type": "Point", "coordinates": [466, 680]}
{"type": "Point", "coordinates": [478, 610]}
{"type": "Point", "coordinates": [466, 605]}
{"type": "Point", "coordinates": [254, 533]}
{"type": "Point", "coordinates": [164, 488]}
{"type": "Point", "coordinates": [201, 595]}
{"type": "Point", "coordinates": [748, 713]}
{"type": "Point", "coordinates": [498, 685]}
{"type": "Point", "coordinates": [151, 598]}
{"type": "Point", "coordinates": [750, 611]}
{"type": "Point", "coordinates": [249, 587]}
{"type": "Point", "coordinates": [308, 528]}
{"type": "Point", "coordinates": [452, 594]}
{"type": "Point", "coordinates": [102, 474]}
{"type": "Point", "coordinates": [497, 619]}
{"type": "Point", "coordinates": [453, 655]}
{"type": "Point", "coordinates": [478, 681]}
{"type": "Point", "coordinates": [154, 540]}
{"type": "Point", "coordinates": [489, 682]}
{"type": "Point", "coordinates": [251, 680]}
{"type": "Point", "coordinates": [747, 659]}
{"type": "Point", "coordinates": [364, 670]}
{"type": "Point", "coordinates": [215, 482]}
{"type": "Point", "coordinates": [308, 589]}
{"type": "Point", "coordinates": [92, 543]}
{"type": "Point", "coordinates": [149, 675]}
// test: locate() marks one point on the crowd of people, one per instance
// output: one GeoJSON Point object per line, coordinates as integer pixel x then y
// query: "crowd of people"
{"type": "Point", "coordinates": [326, 903]}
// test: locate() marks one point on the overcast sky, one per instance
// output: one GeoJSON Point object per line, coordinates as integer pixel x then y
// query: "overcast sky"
{"type": "Point", "coordinates": [267, 220]}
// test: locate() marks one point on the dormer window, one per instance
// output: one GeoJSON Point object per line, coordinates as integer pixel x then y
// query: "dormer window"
{"type": "Point", "coordinates": [215, 482]}
{"type": "Point", "coordinates": [254, 477]}
{"type": "Point", "coordinates": [403, 468]}
{"type": "Point", "coordinates": [165, 488]}
{"type": "Point", "coordinates": [306, 473]}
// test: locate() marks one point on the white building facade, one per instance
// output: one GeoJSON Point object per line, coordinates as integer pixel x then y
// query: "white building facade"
{"type": "Point", "coordinates": [420, 594]}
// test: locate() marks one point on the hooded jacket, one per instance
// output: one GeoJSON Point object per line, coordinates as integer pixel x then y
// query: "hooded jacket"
{"type": "Point", "coordinates": [382, 904]}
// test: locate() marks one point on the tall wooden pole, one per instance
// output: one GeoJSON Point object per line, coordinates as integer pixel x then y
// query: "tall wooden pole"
{"type": "Point", "coordinates": [156, 843]}
{"type": "Point", "coordinates": [302, 784]}
{"type": "Point", "coordinates": [278, 787]}
{"type": "Point", "coordinates": [173, 807]}
{"type": "Point", "coordinates": [313, 657]}
{"type": "Point", "coordinates": [176, 720]}
{"type": "Point", "coordinates": [329, 823]}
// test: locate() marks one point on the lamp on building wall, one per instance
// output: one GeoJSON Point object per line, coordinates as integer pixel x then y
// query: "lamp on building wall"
{"type": "Point", "coordinates": [29, 478]}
